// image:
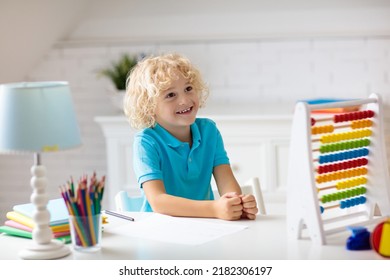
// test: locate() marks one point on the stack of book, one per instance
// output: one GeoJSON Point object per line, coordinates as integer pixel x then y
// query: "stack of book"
{"type": "Point", "coordinates": [20, 222]}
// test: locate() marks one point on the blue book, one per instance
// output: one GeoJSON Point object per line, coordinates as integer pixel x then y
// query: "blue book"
{"type": "Point", "coordinates": [58, 212]}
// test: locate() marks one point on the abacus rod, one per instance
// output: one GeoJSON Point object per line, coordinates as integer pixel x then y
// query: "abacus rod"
{"type": "Point", "coordinates": [351, 134]}
{"type": "Point", "coordinates": [342, 228]}
{"type": "Point", "coordinates": [343, 126]}
{"type": "Point", "coordinates": [344, 216]}
{"type": "Point", "coordinates": [334, 186]}
{"type": "Point", "coordinates": [326, 188]}
{"type": "Point", "coordinates": [342, 104]}
{"type": "Point", "coordinates": [332, 206]}
{"type": "Point", "coordinates": [367, 221]}
{"type": "Point", "coordinates": [324, 119]}
{"type": "Point", "coordinates": [330, 162]}
{"type": "Point", "coordinates": [353, 195]}
{"type": "Point", "coordinates": [351, 125]}
{"type": "Point", "coordinates": [331, 119]}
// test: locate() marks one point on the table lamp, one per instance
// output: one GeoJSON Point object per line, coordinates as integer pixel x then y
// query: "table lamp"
{"type": "Point", "coordinates": [38, 117]}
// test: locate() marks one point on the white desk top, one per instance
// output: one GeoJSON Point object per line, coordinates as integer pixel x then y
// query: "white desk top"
{"type": "Point", "coordinates": [265, 238]}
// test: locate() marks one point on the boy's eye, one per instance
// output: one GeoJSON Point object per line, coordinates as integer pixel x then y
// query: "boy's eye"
{"type": "Point", "coordinates": [189, 88]}
{"type": "Point", "coordinates": [170, 95]}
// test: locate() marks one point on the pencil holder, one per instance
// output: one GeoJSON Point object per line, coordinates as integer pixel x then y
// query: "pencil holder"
{"type": "Point", "coordinates": [86, 232]}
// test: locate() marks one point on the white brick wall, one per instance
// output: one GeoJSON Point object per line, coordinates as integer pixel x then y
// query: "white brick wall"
{"type": "Point", "coordinates": [256, 71]}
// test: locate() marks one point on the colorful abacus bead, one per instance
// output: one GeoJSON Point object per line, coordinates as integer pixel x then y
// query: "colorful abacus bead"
{"type": "Point", "coordinates": [361, 133]}
{"type": "Point", "coordinates": [330, 128]}
{"type": "Point", "coordinates": [322, 129]}
{"type": "Point", "coordinates": [353, 116]}
{"type": "Point", "coordinates": [350, 183]}
{"type": "Point", "coordinates": [352, 202]}
{"type": "Point", "coordinates": [361, 124]}
{"type": "Point", "coordinates": [343, 155]}
{"type": "Point", "coordinates": [341, 175]}
{"type": "Point", "coordinates": [343, 195]}
{"type": "Point", "coordinates": [344, 146]}
{"type": "Point", "coordinates": [342, 165]}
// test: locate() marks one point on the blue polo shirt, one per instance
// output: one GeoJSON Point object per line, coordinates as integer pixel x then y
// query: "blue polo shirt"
{"type": "Point", "coordinates": [185, 171]}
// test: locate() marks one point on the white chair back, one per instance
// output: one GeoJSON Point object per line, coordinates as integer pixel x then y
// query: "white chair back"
{"type": "Point", "coordinates": [252, 186]}
{"type": "Point", "coordinates": [124, 202]}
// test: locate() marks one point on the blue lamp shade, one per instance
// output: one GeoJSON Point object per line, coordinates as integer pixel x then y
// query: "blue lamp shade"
{"type": "Point", "coordinates": [37, 117]}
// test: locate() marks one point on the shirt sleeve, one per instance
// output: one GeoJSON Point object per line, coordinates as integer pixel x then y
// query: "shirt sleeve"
{"type": "Point", "coordinates": [221, 156]}
{"type": "Point", "coordinates": [146, 159]}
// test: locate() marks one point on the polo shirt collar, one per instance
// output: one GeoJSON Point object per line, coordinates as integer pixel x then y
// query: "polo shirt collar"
{"type": "Point", "coordinates": [173, 141]}
{"type": "Point", "coordinates": [196, 137]}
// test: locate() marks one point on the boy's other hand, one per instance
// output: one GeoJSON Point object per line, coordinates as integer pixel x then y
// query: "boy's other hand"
{"type": "Point", "coordinates": [229, 207]}
{"type": "Point", "coordinates": [249, 206]}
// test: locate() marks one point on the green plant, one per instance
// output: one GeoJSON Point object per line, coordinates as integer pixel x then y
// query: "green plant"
{"type": "Point", "coordinates": [119, 70]}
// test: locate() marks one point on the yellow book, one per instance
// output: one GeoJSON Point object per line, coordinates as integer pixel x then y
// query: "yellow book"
{"type": "Point", "coordinates": [24, 220]}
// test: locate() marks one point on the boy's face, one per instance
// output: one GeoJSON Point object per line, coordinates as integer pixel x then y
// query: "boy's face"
{"type": "Point", "coordinates": [177, 106]}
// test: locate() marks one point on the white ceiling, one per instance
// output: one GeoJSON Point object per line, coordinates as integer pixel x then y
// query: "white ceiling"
{"type": "Point", "coordinates": [29, 28]}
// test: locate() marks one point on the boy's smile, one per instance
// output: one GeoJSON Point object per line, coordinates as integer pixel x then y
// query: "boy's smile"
{"type": "Point", "coordinates": [177, 107]}
{"type": "Point", "coordinates": [185, 111]}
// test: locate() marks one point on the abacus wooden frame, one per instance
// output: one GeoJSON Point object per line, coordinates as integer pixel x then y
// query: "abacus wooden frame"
{"type": "Point", "coordinates": [303, 209]}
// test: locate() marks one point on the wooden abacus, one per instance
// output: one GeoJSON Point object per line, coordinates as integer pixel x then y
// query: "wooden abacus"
{"type": "Point", "coordinates": [337, 174]}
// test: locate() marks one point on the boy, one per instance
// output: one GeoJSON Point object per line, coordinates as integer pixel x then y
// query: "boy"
{"type": "Point", "coordinates": [175, 153]}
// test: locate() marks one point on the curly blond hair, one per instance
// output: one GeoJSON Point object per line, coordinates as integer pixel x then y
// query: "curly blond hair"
{"type": "Point", "coordinates": [152, 76]}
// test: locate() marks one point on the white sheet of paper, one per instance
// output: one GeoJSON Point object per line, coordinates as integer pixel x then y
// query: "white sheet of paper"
{"type": "Point", "coordinates": [190, 231]}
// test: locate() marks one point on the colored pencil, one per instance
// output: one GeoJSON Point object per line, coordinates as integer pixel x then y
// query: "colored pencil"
{"type": "Point", "coordinates": [109, 212]}
{"type": "Point", "coordinates": [84, 204]}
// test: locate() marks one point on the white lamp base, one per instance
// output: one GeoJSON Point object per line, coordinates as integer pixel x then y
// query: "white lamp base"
{"type": "Point", "coordinates": [43, 245]}
{"type": "Point", "coordinates": [53, 250]}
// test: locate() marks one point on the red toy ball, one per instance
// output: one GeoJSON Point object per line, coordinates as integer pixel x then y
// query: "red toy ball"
{"type": "Point", "coordinates": [380, 239]}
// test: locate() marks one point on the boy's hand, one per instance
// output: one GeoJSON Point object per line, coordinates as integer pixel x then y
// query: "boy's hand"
{"type": "Point", "coordinates": [229, 207]}
{"type": "Point", "coordinates": [249, 206]}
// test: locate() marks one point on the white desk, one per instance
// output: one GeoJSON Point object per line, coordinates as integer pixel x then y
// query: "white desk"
{"type": "Point", "coordinates": [264, 239]}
